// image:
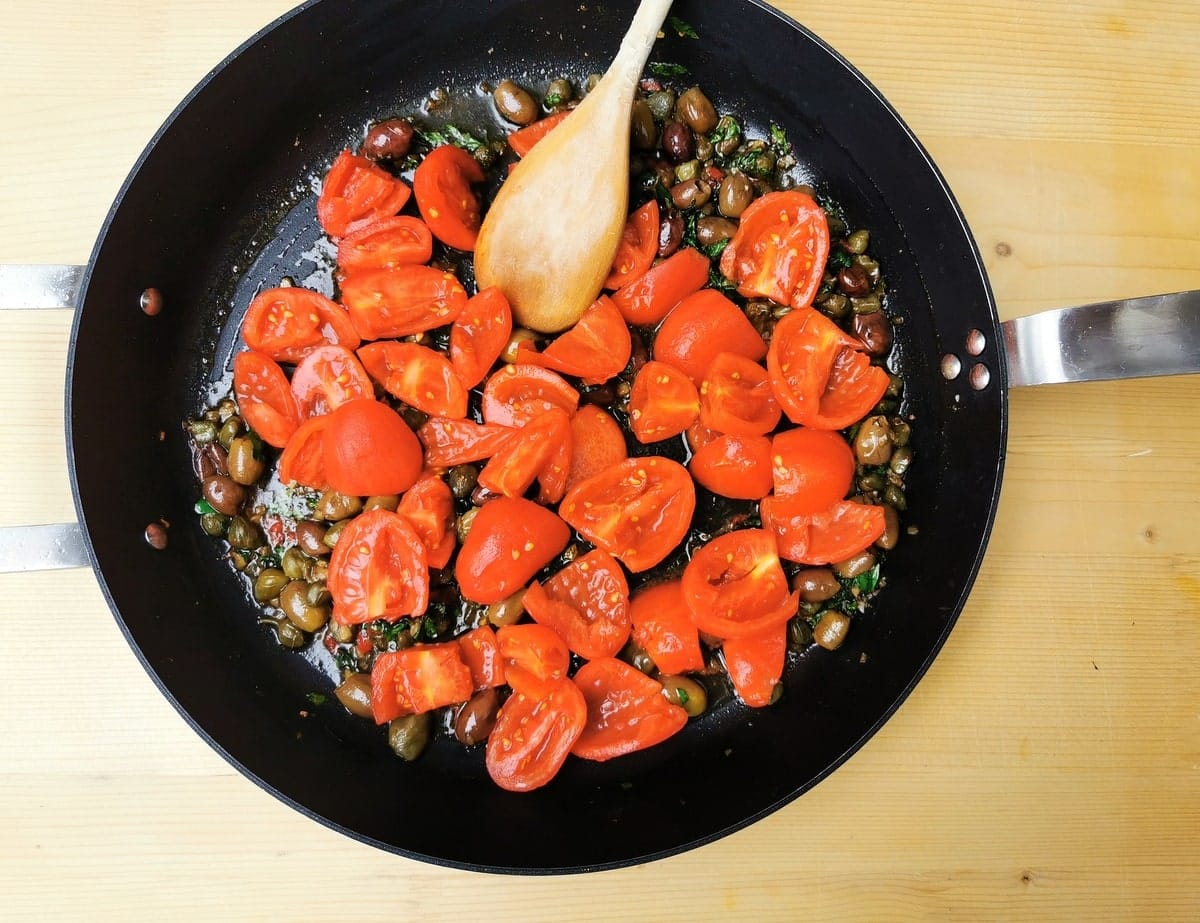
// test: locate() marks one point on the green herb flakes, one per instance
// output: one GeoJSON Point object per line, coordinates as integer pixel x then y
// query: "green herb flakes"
{"type": "Point", "coordinates": [665, 69]}
{"type": "Point", "coordinates": [317, 698]}
{"type": "Point", "coordinates": [451, 134]}
{"type": "Point", "coordinates": [682, 29]}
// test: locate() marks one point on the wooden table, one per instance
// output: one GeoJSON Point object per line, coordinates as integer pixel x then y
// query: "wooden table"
{"type": "Point", "coordinates": [1049, 764]}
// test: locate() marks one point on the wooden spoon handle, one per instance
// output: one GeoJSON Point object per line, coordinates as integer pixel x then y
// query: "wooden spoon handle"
{"type": "Point", "coordinates": [635, 47]}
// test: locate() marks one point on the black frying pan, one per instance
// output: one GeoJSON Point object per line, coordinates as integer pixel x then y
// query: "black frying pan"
{"type": "Point", "coordinates": [221, 204]}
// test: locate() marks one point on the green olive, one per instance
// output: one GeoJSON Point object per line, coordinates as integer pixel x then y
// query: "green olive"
{"type": "Point", "coordinates": [873, 443]}
{"type": "Point", "coordinates": [696, 110]}
{"type": "Point", "coordinates": [870, 267]}
{"type": "Point", "coordinates": [593, 81]}
{"type": "Point", "coordinates": [730, 134]}
{"type": "Point", "coordinates": [643, 131]}
{"type": "Point", "coordinates": [831, 630]}
{"type": "Point", "coordinates": [244, 466]}
{"type": "Point", "coordinates": [334, 506]}
{"type": "Point", "coordinates": [872, 481]}
{"type": "Point", "coordinates": [268, 584]}
{"type": "Point", "coordinates": [835, 304]}
{"type": "Point", "coordinates": [901, 432]}
{"type": "Point", "coordinates": [901, 459]}
{"type": "Point", "coordinates": [243, 534]}
{"type": "Point", "coordinates": [287, 634]}
{"type": "Point", "coordinates": [816, 584]}
{"type": "Point", "coordinates": [318, 593]}
{"type": "Point", "coordinates": [295, 563]}
{"type": "Point", "coordinates": [854, 565]}
{"type": "Point", "coordinates": [685, 692]}
{"type": "Point", "coordinates": [868, 304]}
{"type": "Point", "coordinates": [462, 480]}
{"type": "Point", "coordinates": [333, 533]}
{"type": "Point", "coordinates": [293, 600]}
{"type": "Point", "coordinates": [895, 386]}
{"type": "Point", "coordinates": [858, 242]}
{"type": "Point", "coordinates": [515, 103]}
{"type": "Point", "coordinates": [477, 717]}
{"type": "Point", "coordinates": [310, 538]}
{"type": "Point", "coordinates": [891, 530]}
{"type": "Point", "coordinates": [354, 692]}
{"type": "Point", "coordinates": [688, 170]}
{"type": "Point", "coordinates": [507, 611]}
{"type": "Point", "coordinates": [214, 524]}
{"type": "Point", "coordinates": [559, 92]}
{"type": "Point", "coordinates": [229, 431]}
{"type": "Point", "coordinates": [661, 104]}
{"type": "Point", "coordinates": [342, 634]}
{"type": "Point", "coordinates": [408, 736]}
{"type": "Point", "coordinates": [226, 409]}
{"type": "Point", "coordinates": [387, 502]}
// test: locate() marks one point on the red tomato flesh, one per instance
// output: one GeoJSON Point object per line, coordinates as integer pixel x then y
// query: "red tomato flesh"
{"type": "Point", "coordinates": [289, 323]}
{"type": "Point", "coordinates": [510, 540]}
{"type": "Point", "coordinates": [523, 140]}
{"type": "Point", "coordinates": [637, 247]}
{"type": "Point", "coordinates": [378, 570]}
{"type": "Point", "coordinates": [417, 375]}
{"type": "Point", "coordinates": [357, 192]}
{"type": "Point", "coordinates": [265, 397]}
{"type": "Point", "coordinates": [442, 184]}
{"type": "Point", "coordinates": [662, 403]}
{"type": "Point", "coordinates": [418, 679]}
{"type": "Point", "coordinates": [328, 377]}
{"type": "Point", "coordinates": [597, 443]}
{"type": "Point", "coordinates": [663, 628]}
{"type": "Point", "coordinates": [586, 603]}
{"type": "Point", "coordinates": [385, 244]}
{"type": "Point", "coordinates": [812, 468]}
{"type": "Point", "coordinates": [385, 303]}
{"type": "Point", "coordinates": [780, 249]}
{"type": "Point", "coordinates": [832, 535]}
{"type": "Point", "coordinates": [755, 664]}
{"type": "Point", "coordinates": [736, 397]}
{"type": "Point", "coordinates": [531, 453]}
{"type": "Point", "coordinates": [647, 300]}
{"type": "Point", "coordinates": [700, 328]}
{"type": "Point", "coordinates": [460, 442]}
{"type": "Point", "coordinates": [626, 710]}
{"type": "Point", "coordinates": [596, 349]}
{"type": "Point", "coordinates": [479, 335]}
{"type": "Point", "coordinates": [734, 586]}
{"type": "Point", "coordinates": [480, 651]}
{"type": "Point", "coordinates": [516, 394]}
{"type": "Point", "coordinates": [429, 508]}
{"type": "Point", "coordinates": [738, 467]}
{"type": "Point", "coordinates": [534, 657]}
{"type": "Point", "coordinates": [370, 450]}
{"type": "Point", "coordinates": [533, 736]}
{"type": "Point", "coordinates": [303, 458]}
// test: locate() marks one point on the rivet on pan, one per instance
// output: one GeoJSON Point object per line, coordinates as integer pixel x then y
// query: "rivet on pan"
{"type": "Point", "coordinates": [976, 342]}
{"type": "Point", "coordinates": [156, 536]}
{"type": "Point", "coordinates": [151, 302]}
{"type": "Point", "coordinates": [951, 366]}
{"type": "Point", "coordinates": [980, 377]}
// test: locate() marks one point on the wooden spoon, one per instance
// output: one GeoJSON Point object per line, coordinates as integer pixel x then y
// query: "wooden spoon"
{"type": "Point", "coordinates": [550, 237]}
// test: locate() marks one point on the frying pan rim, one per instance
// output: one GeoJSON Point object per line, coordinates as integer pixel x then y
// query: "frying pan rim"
{"type": "Point", "coordinates": [1000, 381]}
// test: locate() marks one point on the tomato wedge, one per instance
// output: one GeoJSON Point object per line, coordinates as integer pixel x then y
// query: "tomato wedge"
{"type": "Point", "coordinates": [385, 244]}
{"type": "Point", "coordinates": [813, 468]}
{"type": "Point", "coordinates": [596, 349]}
{"type": "Point", "coordinates": [460, 442]}
{"type": "Point", "coordinates": [597, 443]}
{"type": "Point", "coordinates": [511, 539]}
{"type": "Point", "coordinates": [378, 570]}
{"type": "Point", "coordinates": [264, 397]}
{"type": "Point", "coordinates": [832, 535]}
{"type": "Point", "coordinates": [418, 679]}
{"type": "Point", "coordinates": [328, 377]}
{"type": "Point", "coordinates": [303, 458]}
{"type": "Point", "coordinates": [357, 192]}
{"type": "Point", "coordinates": [523, 139]}
{"type": "Point", "coordinates": [736, 397]}
{"type": "Point", "coordinates": [442, 184]}
{"type": "Point", "coordinates": [289, 323]}
{"type": "Point", "coordinates": [421, 377]}
{"type": "Point", "coordinates": [586, 603]}
{"type": "Point", "coordinates": [734, 586]}
{"type": "Point", "coordinates": [429, 508]}
{"type": "Point", "coordinates": [755, 664]}
{"type": "Point", "coordinates": [739, 467]}
{"type": "Point", "coordinates": [386, 303]}
{"type": "Point", "coordinates": [370, 450]}
{"type": "Point", "coordinates": [533, 736]}
{"type": "Point", "coordinates": [662, 627]}
{"type": "Point", "coordinates": [626, 711]}
{"type": "Point", "coordinates": [479, 335]}
{"type": "Point", "coordinates": [637, 511]}
{"type": "Point", "coordinates": [637, 247]}
{"type": "Point", "coordinates": [532, 453]}
{"type": "Point", "coordinates": [700, 328]}
{"type": "Point", "coordinates": [854, 388]}
{"type": "Point", "coordinates": [480, 651]}
{"type": "Point", "coordinates": [534, 657]}
{"type": "Point", "coordinates": [516, 394]}
{"type": "Point", "coordinates": [780, 249]}
{"type": "Point", "coordinates": [662, 403]}
{"type": "Point", "coordinates": [648, 299]}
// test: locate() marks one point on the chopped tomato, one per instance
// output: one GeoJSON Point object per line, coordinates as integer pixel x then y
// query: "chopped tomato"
{"type": "Point", "coordinates": [460, 442]}
{"type": "Point", "coordinates": [532, 453]}
{"type": "Point", "coordinates": [417, 375]}
{"type": "Point", "coordinates": [647, 300]}
{"type": "Point", "coordinates": [516, 394]}
{"type": "Point", "coordinates": [738, 467]}
{"type": "Point", "coordinates": [586, 603]}
{"type": "Point", "coordinates": [855, 386]}
{"type": "Point", "coordinates": [533, 656]}
{"type": "Point", "coordinates": [596, 444]}
{"type": "Point", "coordinates": [596, 349]}
{"type": "Point", "coordinates": [734, 586]}
{"type": "Point", "coordinates": [626, 710]}
{"type": "Point", "coordinates": [370, 450]}
{"type": "Point", "coordinates": [429, 507]}
{"type": "Point", "coordinates": [637, 247]}
{"type": "Point", "coordinates": [511, 539]}
{"type": "Point", "coordinates": [662, 627]}
{"type": "Point", "coordinates": [637, 511]}
{"type": "Point", "coordinates": [303, 458]}
{"type": "Point", "coordinates": [832, 535]}
{"type": "Point", "coordinates": [400, 302]}
{"type": "Point", "coordinates": [480, 651]}
{"type": "Point", "coordinates": [385, 244]}
{"type": "Point", "coordinates": [780, 249]}
{"type": "Point", "coordinates": [662, 403]}
{"type": "Point", "coordinates": [523, 139]}
{"type": "Point", "coordinates": [378, 570]}
{"type": "Point", "coordinates": [811, 467]}
{"type": "Point", "coordinates": [442, 184]}
{"type": "Point", "coordinates": [701, 327]}
{"type": "Point", "coordinates": [533, 736]}
{"type": "Point", "coordinates": [289, 323]}
{"type": "Point", "coordinates": [328, 377]}
{"type": "Point", "coordinates": [755, 664]}
{"type": "Point", "coordinates": [736, 397]}
{"type": "Point", "coordinates": [264, 397]}
{"type": "Point", "coordinates": [479, 335]}
{"type": "Point", "coordinates": [418, 679]}
{"type": "Point", "coordinates": [357, 192]}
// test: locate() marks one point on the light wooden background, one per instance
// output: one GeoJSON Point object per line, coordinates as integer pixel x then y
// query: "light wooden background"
{"type": "Point", "coordinates": [1048, 766]}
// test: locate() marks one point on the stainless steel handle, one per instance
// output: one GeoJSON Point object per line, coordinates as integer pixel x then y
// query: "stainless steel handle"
{"type": "Point", "coordinates": [25, 286]}
{"type": "Point", "coordinates": [1133, 338]}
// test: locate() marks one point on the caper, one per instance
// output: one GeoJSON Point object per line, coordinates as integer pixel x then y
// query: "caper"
{"type": "Point", "coordinates": [870, 267]}
{"type": "Point", "coordinates": [354, 692]}
{"type": "Point", "coordinates": [901, 459]}
{"type": "Point", "coordinates": [831, 630]}
{"type": "Point", "coordinates": [854, 565]}
{"type": "Point", "coordinates": [507, 611]}
{"type": "Point", "coordinates": [638, 657]}
{"type": "Point", "coordinates": [238, 559]}
{"type": "Point", "coordinates": [310, 538]}
{"type": "Point", "coordinates": [858, 241]}
{"type": "Point", "coordinates": [835, 304]}
{"type": "Point", "coordinates": [661, 104]}
{"type": "Point", "coordinates": [901, 432]}
{"type": "Point", "coordinates": [866, 305]}
{"type": "Point", "coordinates": [730, 134]}
{"type": "Point", "coordinates": [891, 529]}
{"type": "Point", "coordinates": [559, 93]}
{"type": "Point", "coordinates": [318, 593]}
{"type": "Point", "coordinates": [244, 466]}
{"type": "Point", "coordinates": [223, 493]}
{"type": "Point", "coordinates": [342, 634]}
{"type": "Point", "coordinates": [287, 634]}
{"type": "Point", "coordinates": [202, 431]}
{"type": "Point", "coordinates": [894, 496]}
{"type": "Point", "coordinates": [696, 110]}
{"type": "Point", "coordinates": [704, 149]}
{"type": "Point", "coordinates": [593, 81]}
{"type": "Point", "coordinates": [268, 584]}
{"type": "Point", "coordinates": [688, 170]}
{"type": "Point", "coordinates": [643, 132]}
{"type": "Point", "coordinates": [816, 584]}
{"type": "Point", "coordinates": [334, 506]}
{"type": "Point", "coordinates": [295, 563]}
{"type": "Point", "coordinates": [462, 480]}
{"type": "Point", "coordinates": [462, 524]}
{"type": "Point", "coordinates": [319, 570]}
{"type": "Point", "coordinates": [873, 443]}
{"type": "Point", "coordinates": [712, 230]}
{"type": "Point", "coordinates": [229, 431]}
{"type": "Point", "coordinates": [477, 717]}
{"type": "Point", "coordinates": [735, 195]}
{"type": "Point", "coordinates": [293, 600]}
{"type": "Point", "coordinates": [800, 634]}
{"type": "Point", "coordinates": [872, 481]}
{"type": "Point", "coordinates": [242, 534]}
{"type": "Point", "coordinates": [515, 103]}
{"type": "Point", "coordinates": [214, 524]}
{"type": "Point", "coordinates": [408, 736]}
{"type": "Point", "coordinates": [519, 335]}
{"type": "Point", "coordinates": [226, 409]}
{"type": "Point", "coordinates": [387, 502]}
{"type": "Point", "coordinates": [686, 693]}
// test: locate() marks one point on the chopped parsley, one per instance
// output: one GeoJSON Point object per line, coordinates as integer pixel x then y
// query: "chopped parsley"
{"type": "Point", "coordinates": [554, 99]}
{"type": "Point", "coordinates": [727, 130]}
{"type": "Point", "coordinates": [451, 134]}
{"type": "Point", "coordinates": [713, 251]}
{"type": "Point", "coordinates": [681, 694]}
{"type": "Point", "coordinates": [779, 141]}
{"type": "Point", "coordinates": [346, 660]}
{"type": "Point", "coordinates": [317, 698]}
{"type": "Point", "coordinates": [203, 507]}
{"type": "Point", "coordinates": [840, 259]}
{"type": "Point", "coordinates": [665, 69]}
{"type": "Point", "coordinates": [682, 29]}
{"type": "Point", "coordinates": [868, 581]}
{"type": "Point", "coordinates": [718, 281]}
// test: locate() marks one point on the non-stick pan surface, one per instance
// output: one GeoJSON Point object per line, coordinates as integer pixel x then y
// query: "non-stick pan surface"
{"type": "Point", "coordinates": [221, 204]}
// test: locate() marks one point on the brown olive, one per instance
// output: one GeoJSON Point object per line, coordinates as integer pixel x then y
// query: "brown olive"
{"type": "Point", "coordinates": [295, 563]}
{"type": "Point", "coordinates": [268, 584]}
{"type": "Point", "coordinates": [735, 195]}
{"type": "Point", "coordinates": [642, 130]}
{"type": "Point", "coordinates": [873, 444]}
{"type": "Point", "coordinates": [712, 230]}
{"type": "Point", "coordinates": [462, 480]}
{"type": "Point", "coordinates": [670, 233]}
{"type": "Point", "coordinates": [244, 466]}
{"type": "Point", "coordinates": [853, 281]}
{"type": "Point", "coordinates": [334, 506]}
{"type": "Point", "coordinates": [293, 600]}
{"type": "Point", "coordinates": [387, 502]}
{"type": "Point", "coordinates": [507, 611]}
{"type": "Point", "coordinates": [875, 332]}
{"type": "Point", "coordinates": [408, 736]}
{"type": "Point", "coordinates": [831, 629]}
{"type": "Point", "coordinates": [224, 494]}
{"type": "Point", "coordinates": [816, 584]}
{"type": "Point", "coordinates": [287, 634]}
{"type": "Point", "coordinates": [514, 103]}
{"type": "Point", "coordinates": [354, 692]}
{"type": "Point", "coordinates": [891, 529]}
{"type": "Point", "coordinates": [677, 142]}
{"type": "Point", "coordinates": [636, 656]}
{"type": "Point", "coordinates": [855, 565]}
{"type": "Point", "coordinates": [693, 193]}
{"type": "Point", "coordinates": [727, 136]}
{"type": "Point", "coordinates": [685, 692]}
{"type": "Point", "coordinates": [310, 537]}
{"type": "Point", "coordinates": [388, 140]}
{"type": "Point", "coordinates": [694, 108]}
{"type": "Point", "coordinates": [602, 396]}
{"type": "Point", "coordinates": [477, 717]}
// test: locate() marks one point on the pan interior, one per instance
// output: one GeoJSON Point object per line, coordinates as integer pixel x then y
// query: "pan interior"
{"type": "Point", "coordinates": [221, 205]}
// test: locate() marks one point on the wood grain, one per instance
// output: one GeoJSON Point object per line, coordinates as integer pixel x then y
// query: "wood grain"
{"type": "Point", "coordinates": [1048, 767]}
